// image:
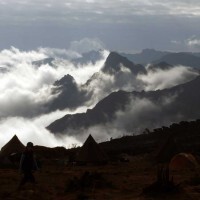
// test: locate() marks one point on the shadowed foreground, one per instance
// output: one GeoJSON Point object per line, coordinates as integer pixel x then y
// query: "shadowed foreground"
{"type": "Point", "coordinates": [119, 180]}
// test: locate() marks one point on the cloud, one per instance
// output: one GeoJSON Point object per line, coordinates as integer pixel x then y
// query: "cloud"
{"type": "Point", "coordinates": [47, 8]}
{"type": "Point", "coordinates": [31, 84]}
{"type": "Point", "coordinates": [34, 130]}
{"type": "Point", "coordinates": [139, 114]}
{"type": "Point", "coordinates": [193, 42]}
{"type": "Point", "coordinates": [119, 24]}
{"type": "Point", "coordinates": [86, 45]}
{"type": "Point", "coordinates": [160, 79]}
{"type": "Point", "coordinates": [176, 42]}
{"type": "Point", "coordinates": [60, 53]}
{"type": "Point", "coordinates": [103, 84]}
{"type": "Point", "coordinates": [25, 88]}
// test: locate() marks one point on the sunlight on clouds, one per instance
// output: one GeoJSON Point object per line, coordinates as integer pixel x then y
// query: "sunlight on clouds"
{"type": "Point", "coordinates": [34, 129]}
{"type": "Point", "coordinates": [161, 79]}
{"type": "Point", "coordinates": [29, 130]}
{"type": "Point", "coordinates": [25, 87]}
{"type": "Point", "coordinates": [31, 87]}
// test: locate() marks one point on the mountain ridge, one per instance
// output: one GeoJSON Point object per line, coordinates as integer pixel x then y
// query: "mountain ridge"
{"type": "Point", "coordinates": [185, 103]}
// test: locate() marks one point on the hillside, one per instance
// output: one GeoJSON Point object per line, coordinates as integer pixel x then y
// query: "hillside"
{"type": "Point", "coordinates": [180, 102]}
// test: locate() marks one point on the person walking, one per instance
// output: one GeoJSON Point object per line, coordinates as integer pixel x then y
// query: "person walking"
{"type": "Point", "coordinates": [28, 165]}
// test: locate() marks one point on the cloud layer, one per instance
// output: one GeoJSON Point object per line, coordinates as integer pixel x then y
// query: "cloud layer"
{"type": "Point", "coordinates": [121, 25]}
{"type": "Point", "coordinates": [25, 88]}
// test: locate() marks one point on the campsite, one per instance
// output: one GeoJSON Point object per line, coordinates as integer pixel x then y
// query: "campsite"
{"type": "Point", "coordinates": [96, 171]}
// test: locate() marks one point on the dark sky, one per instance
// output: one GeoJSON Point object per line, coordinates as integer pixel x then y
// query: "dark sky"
{"type": "Point", "coordinates": [121, 25]}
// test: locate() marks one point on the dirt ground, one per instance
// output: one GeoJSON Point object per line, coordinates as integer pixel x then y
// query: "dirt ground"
{"type": "Point", "coordinates": [117, 180]}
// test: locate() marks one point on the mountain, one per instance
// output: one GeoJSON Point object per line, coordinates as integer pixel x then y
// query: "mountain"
{"type": "Point", "coordinates": [71, 95]}
{"type": "Point", "coordinates": [103, 112]}
{"type": "Point", "coordinates": [117, 66]}
{"type": "Point", "coordinates": [146, 56]}
{"type": "Point", "coordinates": [88, 57]}
{"type": "Point", "coordinates": [181, 102]}
{"type": "Point", "coordinates": [68, 94]}
{"type": "Point", "coordinates": [115, 62]}
{"type": "Point", "coordinates": [117, 73]}
{"type": "Point", "coordinates": [182, 58]}
{"type": "Point", "coordinates": [153, 56]}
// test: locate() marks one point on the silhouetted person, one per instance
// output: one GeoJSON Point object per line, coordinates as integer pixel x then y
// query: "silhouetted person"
{"type": "Point", "coordinates": [28, 165]}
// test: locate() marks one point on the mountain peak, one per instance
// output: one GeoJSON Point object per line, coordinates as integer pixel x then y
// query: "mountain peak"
{"type": "Point", "coordinates": [115, 61]}
{"type": "Point", "coordinates": [65, 80]}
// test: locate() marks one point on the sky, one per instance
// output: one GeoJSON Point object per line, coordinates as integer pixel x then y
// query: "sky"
{"type": "Point", "coordinates": [120, 25]}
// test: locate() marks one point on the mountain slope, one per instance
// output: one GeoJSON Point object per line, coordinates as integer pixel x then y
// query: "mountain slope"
{"type": "Point", "coordinates": [181, 102]}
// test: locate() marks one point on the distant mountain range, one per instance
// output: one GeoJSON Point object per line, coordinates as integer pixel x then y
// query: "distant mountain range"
{"type": "Point", "coordinates": [181, 102]}
{"type": "Point", "coordinates": [71, 95]}
{"type": "Point", "coordinates": [153, 56]}
{"type": "Point", "coordinates": [186, 59]}
{"type": "Point", "coordinates": [170, 105]}
{"type": "Point", "coordinates": [146, 56]}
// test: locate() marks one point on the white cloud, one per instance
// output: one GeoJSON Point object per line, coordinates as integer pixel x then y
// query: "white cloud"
{"type": "Point", "coordinates": [61, 53]}
{"type": "Point", "coordinates": [161, 79]}
{"type": "Point", "coordinates": [24, 88]}
{"type": "Point", "coordinates": [176, 42]}
{"type": "Point", "coordinates": [103, 84]}
{"type": "Point", "coordinates": [48, 9]}
{"type": "Point", "coordinates": [193, 42]}
{"type": "Point", "coordinates": [139, 114]}
{"type": "Point", "coordinates": [86, 45]}
{"type": "Point", "coordinates": [30, 84]}
{"type": "Point", "coordinates": [34, 130]}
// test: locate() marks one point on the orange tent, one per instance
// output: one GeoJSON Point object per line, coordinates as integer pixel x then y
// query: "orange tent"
{"type": "Point", "coordinates": [183, 161]}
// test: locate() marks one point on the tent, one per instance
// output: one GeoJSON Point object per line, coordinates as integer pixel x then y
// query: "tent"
{"type": "Point", "coordinates": [91, 152]}
{"type": "Point", "coordinates": [183, 160]}
{"type": "Point", "coordinates": [13, 146]}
